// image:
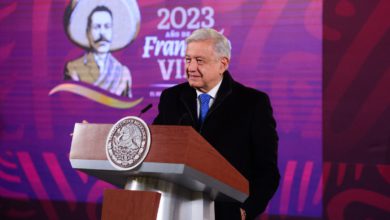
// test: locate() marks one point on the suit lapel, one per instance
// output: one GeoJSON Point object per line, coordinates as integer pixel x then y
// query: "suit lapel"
{"type": "Point", "coordinates": [224, 91]}
{"type": "Point", "coordinates": [188, 97]}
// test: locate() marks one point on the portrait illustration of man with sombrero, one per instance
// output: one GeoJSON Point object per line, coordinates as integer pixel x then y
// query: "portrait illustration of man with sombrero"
{"type": "Point", "coordinates": [100, 27]}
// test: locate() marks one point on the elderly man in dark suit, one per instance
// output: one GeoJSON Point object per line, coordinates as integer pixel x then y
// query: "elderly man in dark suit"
{"type": "Point", "coordinates": [235, 119]}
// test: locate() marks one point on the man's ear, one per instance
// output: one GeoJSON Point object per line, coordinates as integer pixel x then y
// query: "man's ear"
{"type": "Point", "coordinates": [224, 63]}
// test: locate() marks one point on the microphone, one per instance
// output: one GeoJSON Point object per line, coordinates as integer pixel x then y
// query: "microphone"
{"type": "Point", "coordinates": [145, 109]}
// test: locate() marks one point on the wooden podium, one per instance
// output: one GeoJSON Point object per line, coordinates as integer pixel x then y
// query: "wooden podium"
{"type": "Point", "coordinates": [180, 178]}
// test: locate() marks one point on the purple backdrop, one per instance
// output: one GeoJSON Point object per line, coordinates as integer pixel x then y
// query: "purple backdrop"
{"type": "Point", "coordinates": [276, 48]}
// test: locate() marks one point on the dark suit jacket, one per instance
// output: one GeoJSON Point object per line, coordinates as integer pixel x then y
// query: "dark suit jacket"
{"type": "Point", "coordinates": [241, 127]}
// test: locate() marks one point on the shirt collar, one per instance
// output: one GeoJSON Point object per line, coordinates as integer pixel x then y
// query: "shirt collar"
{"type": "Point", "coordinates": [212, 92]}
{"type": "Point", "coordinates": [100, 61]}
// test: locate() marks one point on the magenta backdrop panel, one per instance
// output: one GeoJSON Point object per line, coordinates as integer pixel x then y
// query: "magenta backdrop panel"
{"type": "Point", "coordinates": [277, 48]}
{"type": "Point", "coordinates": [356, 110]}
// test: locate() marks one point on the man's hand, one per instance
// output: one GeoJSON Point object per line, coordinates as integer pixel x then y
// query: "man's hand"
{"type": "Point", "coordinates": [243, 214]}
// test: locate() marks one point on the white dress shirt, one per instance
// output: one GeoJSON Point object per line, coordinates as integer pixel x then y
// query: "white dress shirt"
{"type": "Point", "coordinates": [212, 93]}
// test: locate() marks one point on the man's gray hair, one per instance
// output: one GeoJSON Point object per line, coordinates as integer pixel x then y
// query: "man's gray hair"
{"type": "Point", "coordinates": [221, 43]}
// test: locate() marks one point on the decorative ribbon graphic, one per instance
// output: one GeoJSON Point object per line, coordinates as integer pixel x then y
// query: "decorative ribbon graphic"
{"type": "Point", "coordinates": [95, 95]}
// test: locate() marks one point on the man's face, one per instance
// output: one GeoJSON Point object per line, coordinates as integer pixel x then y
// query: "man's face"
{"type": "Point", "coordinates": [100, 32]}
{"type": "Point", "coordinates": [204, 67]}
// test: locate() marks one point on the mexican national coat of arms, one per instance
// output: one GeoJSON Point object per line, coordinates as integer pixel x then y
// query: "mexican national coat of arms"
{"type": "Point", "coordinates": [128, 143]}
